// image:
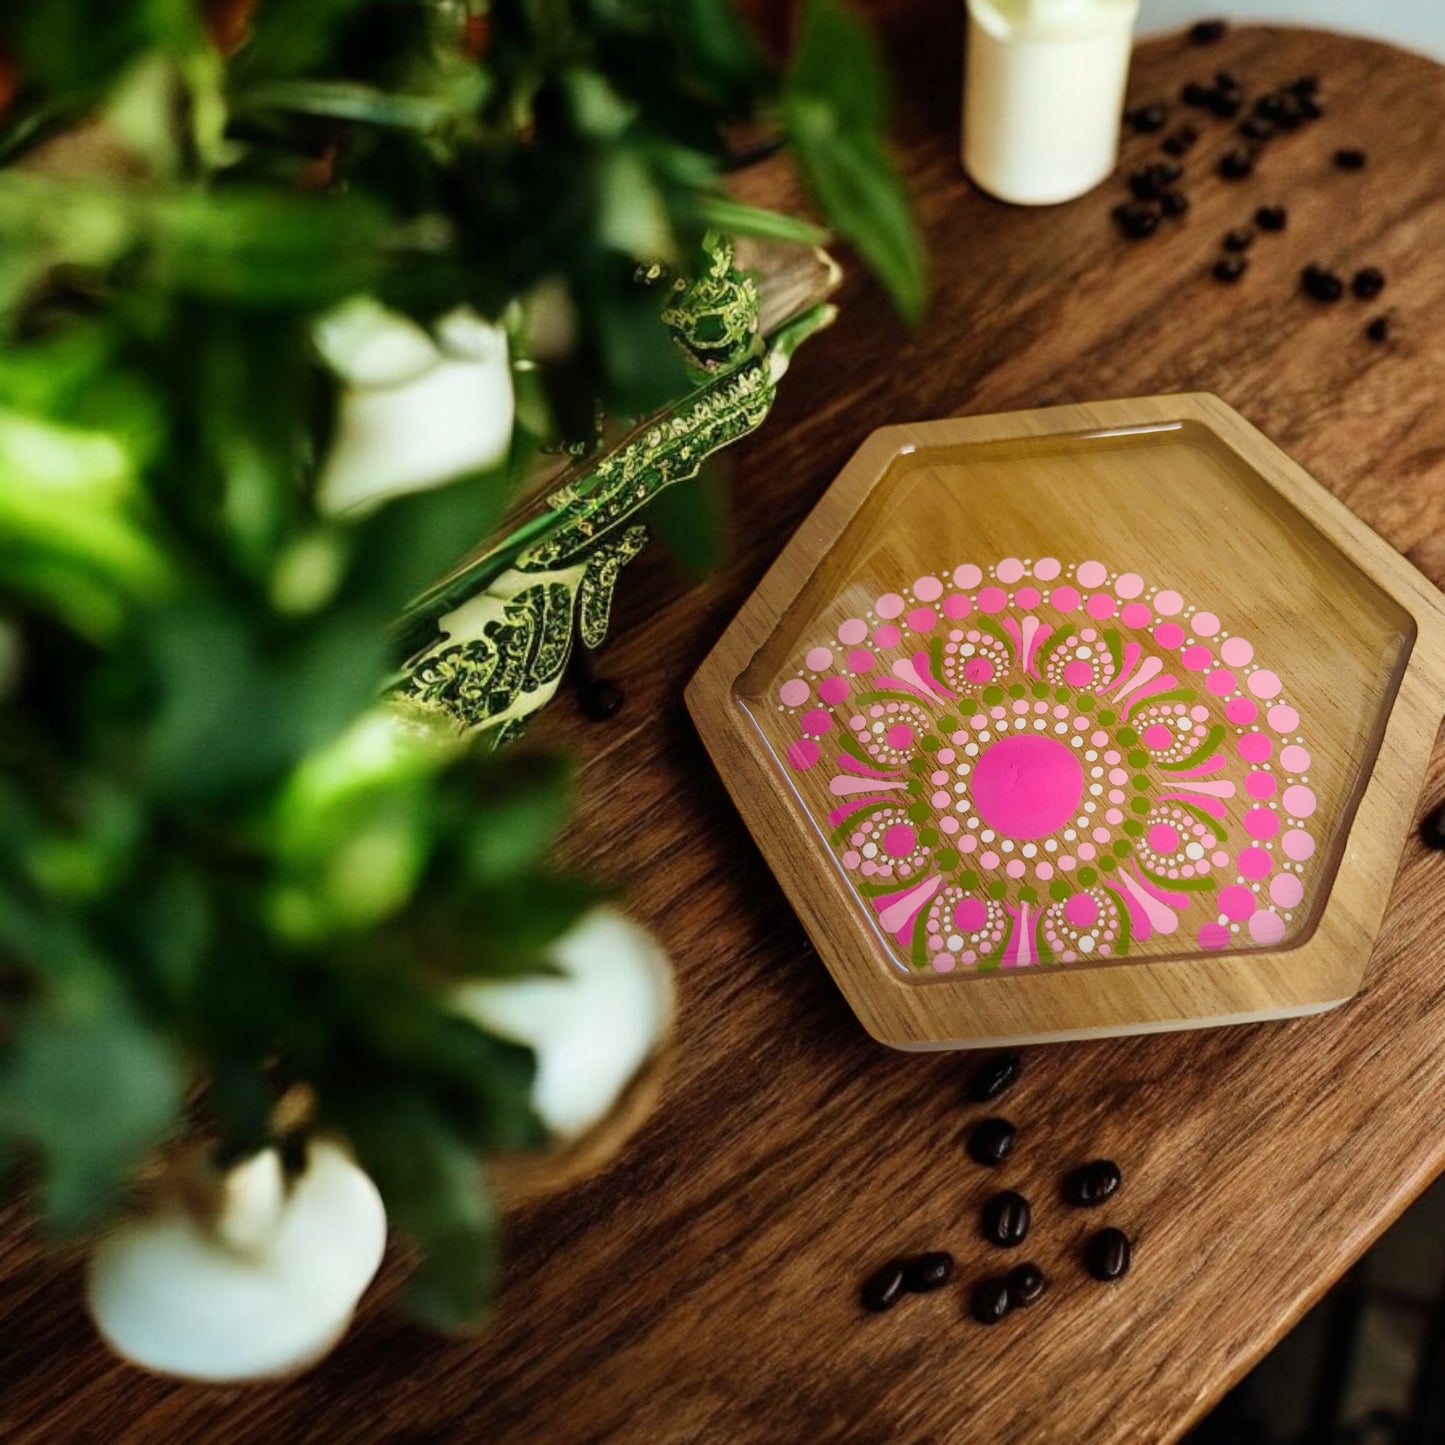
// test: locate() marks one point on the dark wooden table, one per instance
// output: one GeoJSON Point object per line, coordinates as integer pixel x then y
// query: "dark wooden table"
{"type": "Point", "coordinates": [704, 1287]}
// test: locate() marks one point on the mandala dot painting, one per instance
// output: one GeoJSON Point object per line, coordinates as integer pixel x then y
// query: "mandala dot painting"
{"type": "Point", "coordinates": [1037, 764]}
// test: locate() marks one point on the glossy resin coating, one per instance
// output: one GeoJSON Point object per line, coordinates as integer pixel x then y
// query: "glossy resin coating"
{"type": "Point", "coordinates": [1073, 694]}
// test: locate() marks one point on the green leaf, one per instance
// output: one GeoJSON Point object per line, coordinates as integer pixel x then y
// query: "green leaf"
{"type": "Point", "coordinates": [521, 810]}
{"type": "Point", "coordinates": [90, 1089]}
{"type": "Point", "coordinates": [691, 522]}
{"type": "Point", "coordinates": [835, 106]}
{"type": "Point", "coordinates": [735, 218]}
{"type": "Point", "coordinates": [717, 41]}
{"type": "Point", "coordinates": [435, 1193]}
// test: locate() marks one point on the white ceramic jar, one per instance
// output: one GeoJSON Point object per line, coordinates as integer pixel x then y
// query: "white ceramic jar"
{"type": "Point", "coordinates": [1043, 95]}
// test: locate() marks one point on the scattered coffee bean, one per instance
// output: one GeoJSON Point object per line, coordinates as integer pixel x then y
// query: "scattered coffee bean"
{"type": "Point", "coordinates": [1147, 119]}
{"type": "Point", "coordinates": [1379, 330]}
{"type": "Point", "coordinates": [1225, 103]}
{"type": "Point", "coordinates": [1093, 1183]}
{"type": "Point", "coordinates": [1207, 32]}
{"type": "Point", "coordinates": [991, 1142]}
{"type": "Point", "coordinates": [1151, 182]}
{"type": "Point", "coordinates": [1368, 283]}
{"type": "Point", "coordinates": [884, 1287]}
{"type": "Point", "coordinates": [1256, 129]}
{"type": "Point", "coordinates": [600, 699]}
{"type": "Point", "coordinates": [928, 1272]}
{"type": "Point", "coordinates": [1236, 165]}
{"type": "Point", "coordinates": [1196, 94]}
{"type": "Point", "coordinates": [1306, 85]}
{"type": "Point", "coordinates": [1432, 825]}
{"type": "Point", "coordinates": [995, 1076]}
{"type": "Point", "coordinates": [1274, 107]}
{"type": "Point", "coordinates": [1108, 1254]}
{"type": "Point", "coordinates": [1025, 1283]}
{"type": "Point", "coordinates": [1225, 81]}
{"type": "Point", "coordinates": [1136, 222]}
{"type": "Point", "coordinates": [1178, 141]}
{"type": "Point", "coordinates": [1006, 1219]}
{"type": "Point", "coordinates": [1350, 160]}
{"type": "Point", "coordinates": [1271, 218]}
{"type": "Point", "coordinates": [1321, 284]}
{"type": "Point", "coordinates": [1173, 203]}
{"type": "Point", "coordinates": [1229, 268]}
{"type": "Point", "coordinates": [1240, 239]}
{"type": "Point", "coordinates": [1309, 109]}
{"type": "Point", "coordinates": [990, 1302]}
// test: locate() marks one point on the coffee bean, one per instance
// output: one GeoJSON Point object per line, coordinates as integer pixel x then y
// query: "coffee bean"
{"type": "Point", "coordinates": [1173, 203]}
{"type": "Point", "coordinates": [1025, 1283]}
{"type": "Point", "coordinates": [1236, 165]}
{"type": "Point", "coordinates": [1309, 109]}
{"type": "Point", "coordinates": [990, 1301]}
{"type": "Point", "coordinates": [1147, 118]}
{"type": "Point", "coordinates": [1271, 218]}
{"type": "Point", "coordinates": [991, 1142]}
{"type": "Point", "coordinates": [1240, 239]}
{"type": "Point", "coordinates": [928, 1272]}
{"type": "Point", "coordinates": [1225, 81]}
{"type": "Point", "coordinates": [1108, 1254]}
{"type": "Point", "coordinates": [1306, 85]}
{"type": "Point", "coordinates": [884, 1287]}
{"type": "Point", "coordinates": [1178, 141]}
{"type": "Point", "coordinates": [1006, 1219]}
{"type": "Point", "coordinates": [1093, 1183]}
{"type": "Point", "coordinates": [1165, 172]}
{"type": "Point", "coordinates": [995, 1076]}
{"type": "Point", "coordinates": [1195, 94]}
{"type": "Point", "coordinates": [1321, 284]}
{"type": "Point", "coordinates": [600, 699]}
{"type": "Point", "coordinates": [1225, 103]}
{"type": "Point", "coordinates": [1273, 107]}
{"type": "Point", "coordinates": [1432, 825]}
{"type": "Point", "coordinates": [1368, 283]}
{"type": "Point", "coordinates": [1136, 222]}
{"type": "Point", "coordinates": [1379, 330]}
{"type": "Point", "coordinates": [1350, 160]}
{"type": "Point", "coordinates": [1207, 32]}
{"type": "Point", "coordinates": [1256, 129]}
{"type": "Point", "coordinates": [1229, 268]}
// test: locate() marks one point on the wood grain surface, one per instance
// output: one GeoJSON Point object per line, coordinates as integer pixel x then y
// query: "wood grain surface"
{"type": "Point", "coordinates": [704, 1287]}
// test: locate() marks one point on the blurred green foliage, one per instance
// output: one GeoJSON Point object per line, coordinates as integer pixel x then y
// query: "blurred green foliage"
{"type": "Point", "coordinates": [223, 871]}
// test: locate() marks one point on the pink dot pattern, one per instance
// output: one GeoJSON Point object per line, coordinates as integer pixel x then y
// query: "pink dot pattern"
{"type": "Point", "coordinates": [1189, 815]}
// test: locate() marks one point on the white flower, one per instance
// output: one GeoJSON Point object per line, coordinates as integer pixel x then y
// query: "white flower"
{"type": "Point", "coordinates": [268, 1288]}
{"type": "Point", "coordinates": [416, 410]}
{"type": "Point", "coordinates": [593, 1027]}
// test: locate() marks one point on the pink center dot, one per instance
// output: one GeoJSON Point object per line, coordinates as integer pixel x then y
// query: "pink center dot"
{"type": "Point", "coordinates": [1081, 910]}
{"type": "Point", "coordinates": [1027, 786]}
{"type": "Point", "coordinates": [1164, 838]}
{"type": "Point", "coordinates": [899, 841]}
{"type": "Point", "coordinates": [900, 735]}
{"type": "Point", "coordinates": [1157, 736]}
{"type": "Point", "coordinates": [817, 720]}
{"type": "Point", "coordinates": [978, 669]}
{"type": "Point", "coordinates": [1078, 673]}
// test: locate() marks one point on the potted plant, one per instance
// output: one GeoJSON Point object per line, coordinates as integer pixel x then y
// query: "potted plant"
{"type": "Point", "coordinates": [295, 295]}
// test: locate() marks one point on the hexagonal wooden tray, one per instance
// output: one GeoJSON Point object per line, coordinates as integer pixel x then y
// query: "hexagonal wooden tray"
{"type": "Point", "coordinates": [1084, 721]}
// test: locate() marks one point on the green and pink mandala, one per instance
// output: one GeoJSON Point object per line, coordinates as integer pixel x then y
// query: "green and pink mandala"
{"type": "Point", "coordinates": [1037, 764]}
